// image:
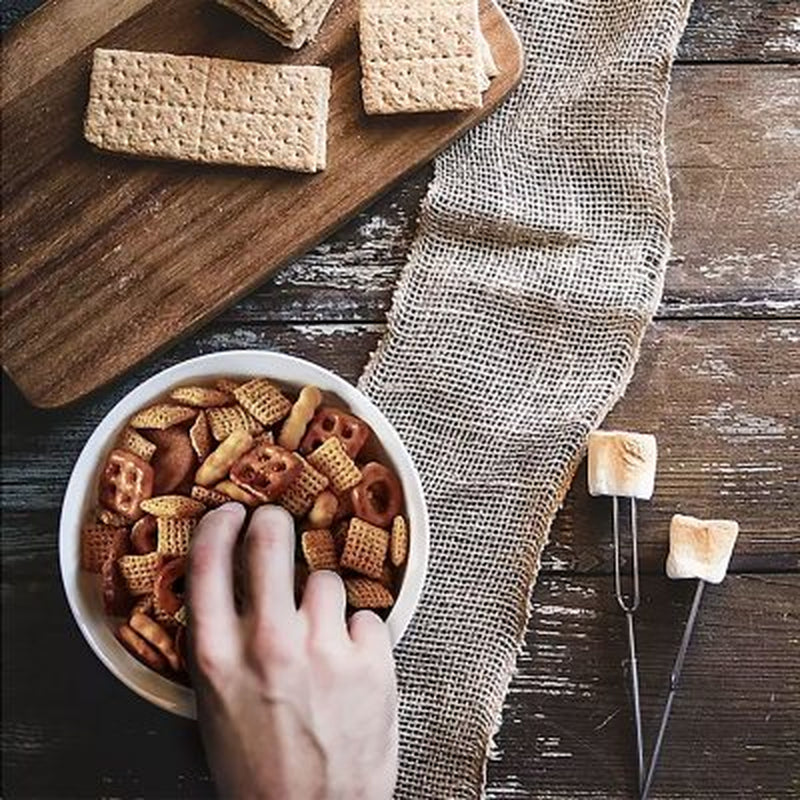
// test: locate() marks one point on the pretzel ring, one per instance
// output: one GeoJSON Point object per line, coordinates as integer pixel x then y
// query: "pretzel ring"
{"type": "Point", "coordinates": [378, 499]}
{"type": "Point", "coordinates": [167, 599]}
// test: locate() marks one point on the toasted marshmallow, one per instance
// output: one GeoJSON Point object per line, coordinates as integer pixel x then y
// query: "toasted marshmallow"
{"type": "Point", "coordinates": [700, 548]}
{"type": "Point", "coordinates": [622, 464]}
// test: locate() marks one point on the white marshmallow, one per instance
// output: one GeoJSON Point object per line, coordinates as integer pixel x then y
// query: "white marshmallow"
{"type": "Point", "coordinates": [700, 548]}
{"type": "Point", "coordinates": [622, 464]}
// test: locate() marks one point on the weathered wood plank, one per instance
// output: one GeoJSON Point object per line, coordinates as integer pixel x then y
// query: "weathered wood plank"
{"type": "Point", "coordinates": [720, 395]}
{"type": "Point", "coordinates": [722, 399]}
{"type": "Point", "coordinates": [566, 730]}
{"type": "Point", "coordinates": [156, 250]}
{"type": "Point", "coordinates": [734, 727]}
{"type": "Point", "coordinates": [717, 30]}
{"type": "Point", "coordinates": [741, 30]}
{"type": "Point", "coordinates": [734, 151]}
{"type": "Point", "coordinates": [734, 154]}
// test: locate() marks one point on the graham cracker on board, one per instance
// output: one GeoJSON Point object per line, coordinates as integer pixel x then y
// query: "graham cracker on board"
{"type": "Point", "coordinates": [422, 55]}
{"type": "Point", "coordinates": [210, 110]}
{"type": "Point", "coordinates": [291, 24]}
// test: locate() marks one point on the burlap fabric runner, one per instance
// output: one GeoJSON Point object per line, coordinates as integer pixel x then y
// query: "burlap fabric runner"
{"type": "Point", "coordinates": [538, 264]}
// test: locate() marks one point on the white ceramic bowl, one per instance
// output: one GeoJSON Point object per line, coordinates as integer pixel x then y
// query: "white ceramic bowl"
{"type": "Point", "coordinates": [82, 588]}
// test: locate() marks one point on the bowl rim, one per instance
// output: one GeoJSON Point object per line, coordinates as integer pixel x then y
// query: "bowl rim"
{"type": "Point", "coordinates": [161, 691]}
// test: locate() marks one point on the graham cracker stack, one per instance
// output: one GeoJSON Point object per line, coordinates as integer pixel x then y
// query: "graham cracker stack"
{"type": "Point", "coordinates": [290, 22]}
{"type": "Point", "coordinates": [210, 110]}
{"type": "Point", "coordinates": [423, 55]}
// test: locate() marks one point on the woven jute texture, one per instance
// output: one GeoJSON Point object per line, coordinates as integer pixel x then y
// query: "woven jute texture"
{"type": "Point", "coordinates": [538, 263]}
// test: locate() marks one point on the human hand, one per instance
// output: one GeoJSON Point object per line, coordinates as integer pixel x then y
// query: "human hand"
{"type": "Point", "coordinates": [292, 703]}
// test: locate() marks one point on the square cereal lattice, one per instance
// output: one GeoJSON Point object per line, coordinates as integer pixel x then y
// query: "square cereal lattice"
{"type": "Point", "coordinates": [139, 572]}
{"type": "Point", "coordinates": [332, 461]}
{"type": "Point", "coordinates": [365, 548]}
{"type": "Point", "coordinates": [319, 550]}
{"type": "Point", "coordinates": [302, 492]}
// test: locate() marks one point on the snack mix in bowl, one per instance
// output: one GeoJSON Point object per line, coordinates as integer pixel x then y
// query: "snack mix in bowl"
{"type": "Point", "coordinates": [254, 443]}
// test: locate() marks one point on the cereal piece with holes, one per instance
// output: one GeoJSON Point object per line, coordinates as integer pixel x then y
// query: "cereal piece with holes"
{"type": "Point", "coordinates": [266, 471]}
{"type": "Point", "coordinates": [351, 431]}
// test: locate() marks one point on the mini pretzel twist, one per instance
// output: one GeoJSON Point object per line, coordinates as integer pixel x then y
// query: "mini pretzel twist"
{"type": "Point", "coordinates": [141, 649]}
{"type": "Point", "coordinates": [125, 482]}
{"type": "Point", "coordinates": [157, 637]}
{"type": "Point", "coordinates": [294, 427]}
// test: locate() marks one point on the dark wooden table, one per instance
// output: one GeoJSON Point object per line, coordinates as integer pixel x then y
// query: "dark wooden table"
{"type": "Point", "coordinates": [718, 383]}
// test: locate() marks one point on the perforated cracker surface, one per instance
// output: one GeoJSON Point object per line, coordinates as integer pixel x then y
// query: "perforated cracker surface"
{"type": "Point", "coordinates": [420, 56]}
{"type": "Point", "coordinates": [215, 111]}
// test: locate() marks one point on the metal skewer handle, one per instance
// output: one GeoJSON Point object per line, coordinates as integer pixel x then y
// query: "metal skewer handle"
{"type": "Point", "coordinates": [629, 604]}
{"type": "Point", "coordinates": [674, 678]}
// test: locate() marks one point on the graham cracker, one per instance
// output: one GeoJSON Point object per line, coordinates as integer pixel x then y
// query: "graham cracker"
{"type": "Point", "coordinates": [214, 111]}
{"type": "Point", "coordinates": [420, 55]}
{"type": "Point", "coordinates": [292, 33]}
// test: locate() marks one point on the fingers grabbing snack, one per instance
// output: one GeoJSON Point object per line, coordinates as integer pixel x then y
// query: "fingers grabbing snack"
{"type": "Point", "coordinates": [205, 445]}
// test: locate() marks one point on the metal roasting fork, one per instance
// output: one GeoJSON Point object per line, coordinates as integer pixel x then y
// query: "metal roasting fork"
{"type": "Point", "coordinates": [629, 604]}
{"type": "Point", "coordinates": [674, 677]}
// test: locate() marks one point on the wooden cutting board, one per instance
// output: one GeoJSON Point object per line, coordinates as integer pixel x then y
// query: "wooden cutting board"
{"type": "Point", "coordinates": [106, 259]}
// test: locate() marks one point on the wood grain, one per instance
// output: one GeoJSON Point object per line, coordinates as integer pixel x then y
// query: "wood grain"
{"type": "Point", "coordinates": [741, 30]}
{"type": "Point", "coordinates": [725, 415]}
{"type": "Point", "coordinates": [139, 253]}
{"type": "Point", "coordinates": [733, 146]}
{"type": "Point", "coordinates": [717, 30]}
{"type": "Point", "coordinates": [566, 731]}
{"type": "Point", "coordinates": [734, 155]}
{"type": "Point", "coordinates": [734, 727]}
